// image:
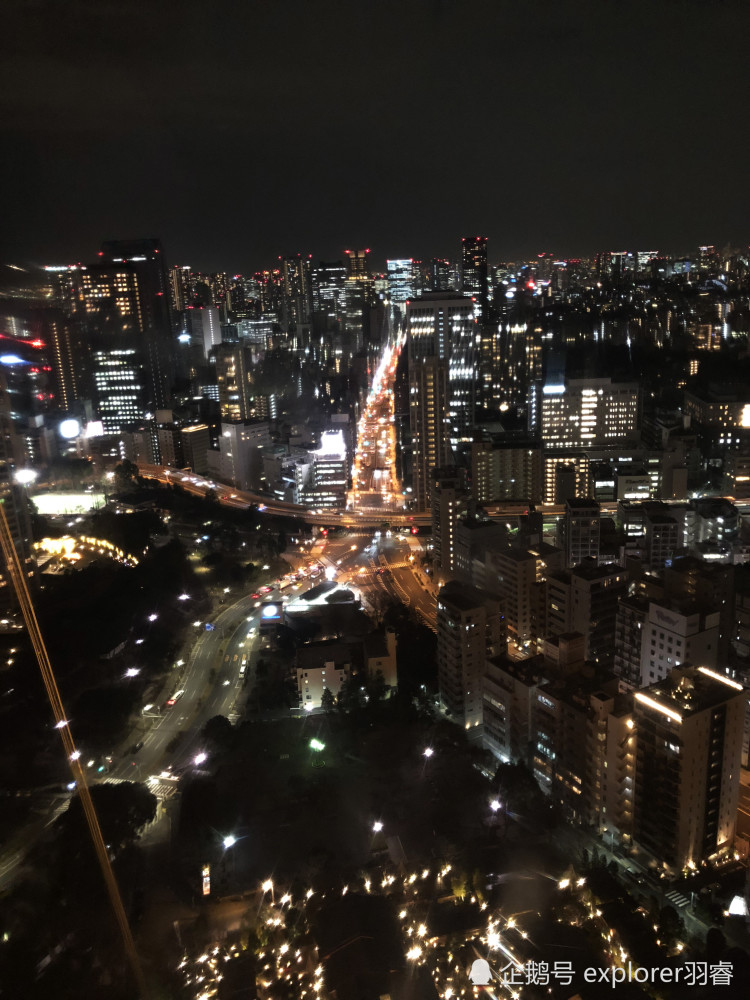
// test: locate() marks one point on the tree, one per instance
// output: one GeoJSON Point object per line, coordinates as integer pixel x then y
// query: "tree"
{"type": "Point", "coordinates": [125, 474]}
{"type": "Point", "coordinates": [327, 701]}
{"type": "Point", "coordinates": [123, 810]}
{"type": "Point", "coordinates": [219, 732]}
{"type": "Point", "coordinates": [375, 686]}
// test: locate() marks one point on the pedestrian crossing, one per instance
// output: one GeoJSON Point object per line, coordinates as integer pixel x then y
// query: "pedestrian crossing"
{"type": "Point", "coordinates": [676, 898]}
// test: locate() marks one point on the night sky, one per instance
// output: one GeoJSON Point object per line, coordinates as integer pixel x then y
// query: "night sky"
{"type": "Point", "coordinates": [238, 131]}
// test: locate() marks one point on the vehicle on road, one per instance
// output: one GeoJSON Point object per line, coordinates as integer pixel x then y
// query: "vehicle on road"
{"type": "Point", "coordinates": [175, 698]}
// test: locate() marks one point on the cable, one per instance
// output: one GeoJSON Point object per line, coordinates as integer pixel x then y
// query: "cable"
{"type": "Point", "coordinates": [20, 586]}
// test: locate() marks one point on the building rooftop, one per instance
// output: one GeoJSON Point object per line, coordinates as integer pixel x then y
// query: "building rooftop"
{"type": "Point", "coordinates": [582, 503]}
{"type": "Point", "coordinates": [463, 596]}
{"type": "Point", "coordinates": [689, 690]}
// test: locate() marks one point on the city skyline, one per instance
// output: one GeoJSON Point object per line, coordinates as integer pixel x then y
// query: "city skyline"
{"type": "Point", "coordinates": [543, 129]}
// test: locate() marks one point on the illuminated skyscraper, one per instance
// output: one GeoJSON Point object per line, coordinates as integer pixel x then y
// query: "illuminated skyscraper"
{"type": "Point", "coordinates": [232, 370]}
{"type": "Point", "coordinates": [400, 280]}
{"type": "Point", "coordinates": [356, 263]}
{"type": "Point", "coordinates": [146, 259]}
{"type": "Point", "coordinates": [296, 285]}
{"type": "Point", "coordinates": [474, 271]}
{"type": "Point", "coordinates": [589, 413]}
{"type": "Point", "coordinates": [443, 326]}
{"type": "Point", "coordinates": [429, 423]}
{"type": "Point", "coordinates": [112, 317]}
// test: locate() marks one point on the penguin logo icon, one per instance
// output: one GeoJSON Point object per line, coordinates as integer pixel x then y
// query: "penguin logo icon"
{"type": "Point", "coordinates": [480, 974]}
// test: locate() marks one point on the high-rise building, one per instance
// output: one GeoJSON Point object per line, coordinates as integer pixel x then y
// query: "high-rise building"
{"type": "Point", "coordinates": [469, 631]}
{"type": "Point", "coordinates": [444, 326]}
{"type": "Point", "coordinates": [356, 263]}
{"type": "Point", "coordinates": [328, 472]}
{"type": "Point", "coordinates": [329, 283]}
{"type": "Point", "coordinates": [297, 297]}
{"type": "Point", "coordinates": [442, 276]}
{"type": "Point", "coordinates": [181, 286]}
{"type": "Point", "coordinates": [579, 530]}
{"type": "Point", "coordinates": [589, 413]}
{"type": "Point", "coordinates": [241, 447]}
{"type": "Point", "coordinates": [474, 275]}
{"type": "Point", "coordinates": [204, 327]}
{"type": "Point", "coordinates": [689, 738]}
{"type": "Point", "coordinates": [585, 600]}
{"type": "Point", "coordinates": [507, 468]}
{"type": "Point", "coordinates": [429, 423]}
{"type": "Point", "coordinates": [509, 692]}
{"type": "Point", "coordinates": [447, 502]}
{"type": "Point", "coordinates": [233, 363]}
{"type": "Point", "coordinates": [146, 258]}
{"type": "Point", "coordinates": [400, 280]}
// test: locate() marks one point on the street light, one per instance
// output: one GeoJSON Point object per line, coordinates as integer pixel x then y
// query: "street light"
{"type": "Point", "coordinates": [495, 805]}
{"type": "Point", "coordinates": [377, 826]}
{"type": "Point", "coordinates": [183, 597]}
{"type": "Point", "coordinates": [428, 752]}
{"type": "Point", "coordinates": [152, 617]}
{"type": "Point", "coordinates": [229, 841]}
{"type": "Point", "coordinates": [25, 477]}
{"type": "Point", "coordinates": [199, 759]}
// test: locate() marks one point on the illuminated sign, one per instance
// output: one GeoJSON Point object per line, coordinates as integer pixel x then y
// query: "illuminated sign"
{"type": "Point", "coordinates": [206, 873]}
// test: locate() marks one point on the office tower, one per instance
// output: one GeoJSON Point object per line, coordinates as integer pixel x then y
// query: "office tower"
{"type": "Point", "coordinates": [196, 441]}
{"type": "Point", "coordinates": [328, 472]}
{"type": "Point", "coordinates": [204, 326]}
{"type": "Point", "coordinates": [296, 285]}
{"type": "Point", "coordinates": [510, 362]}
{"type": "Point", "coordinates": [469, 631]}
{"type": "Point", "coordinates": [146, 258]}
{"type": "Point", "coordinates": [233, 363]}
{"type": "Point", "coordinates": [444, 326]}
{"type": "Point", "coordinates": [589, 413]}
{"type": "Point", "coordinates": [356, 263]}
{"type": "Point", "coordinates": [579, 530]}
{"type": "Point", "coordinates": [474, 276]}
{"type": "Point", "coordinates": [507, 468]}
{"type": "Point", "coordinates": [720, 415]}
{"type": "Point", "coordinates": [429, 423]}
{"type": "Point", "coordinates": [585, 600]}
{"type": "Point", "coordinates": [400, 280]}
{"type": "Point", "coordinates": [447, 503]}
{"type": "Point", "coordinates": [329, 282]}
{"type": "Point", "coordinates": [241, 447]}
{"type": "Point", "coordinates": [689, 738]}
{"type": "Point", "coordinates": [109, 303]}
{"type": "Point", "coordinates": [565, 476]}
{"type": "Point", "coordinates": [442, 276]}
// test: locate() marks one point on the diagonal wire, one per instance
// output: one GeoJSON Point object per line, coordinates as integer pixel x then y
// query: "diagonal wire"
{"type": "Point", "coordinates": [20, 586]}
